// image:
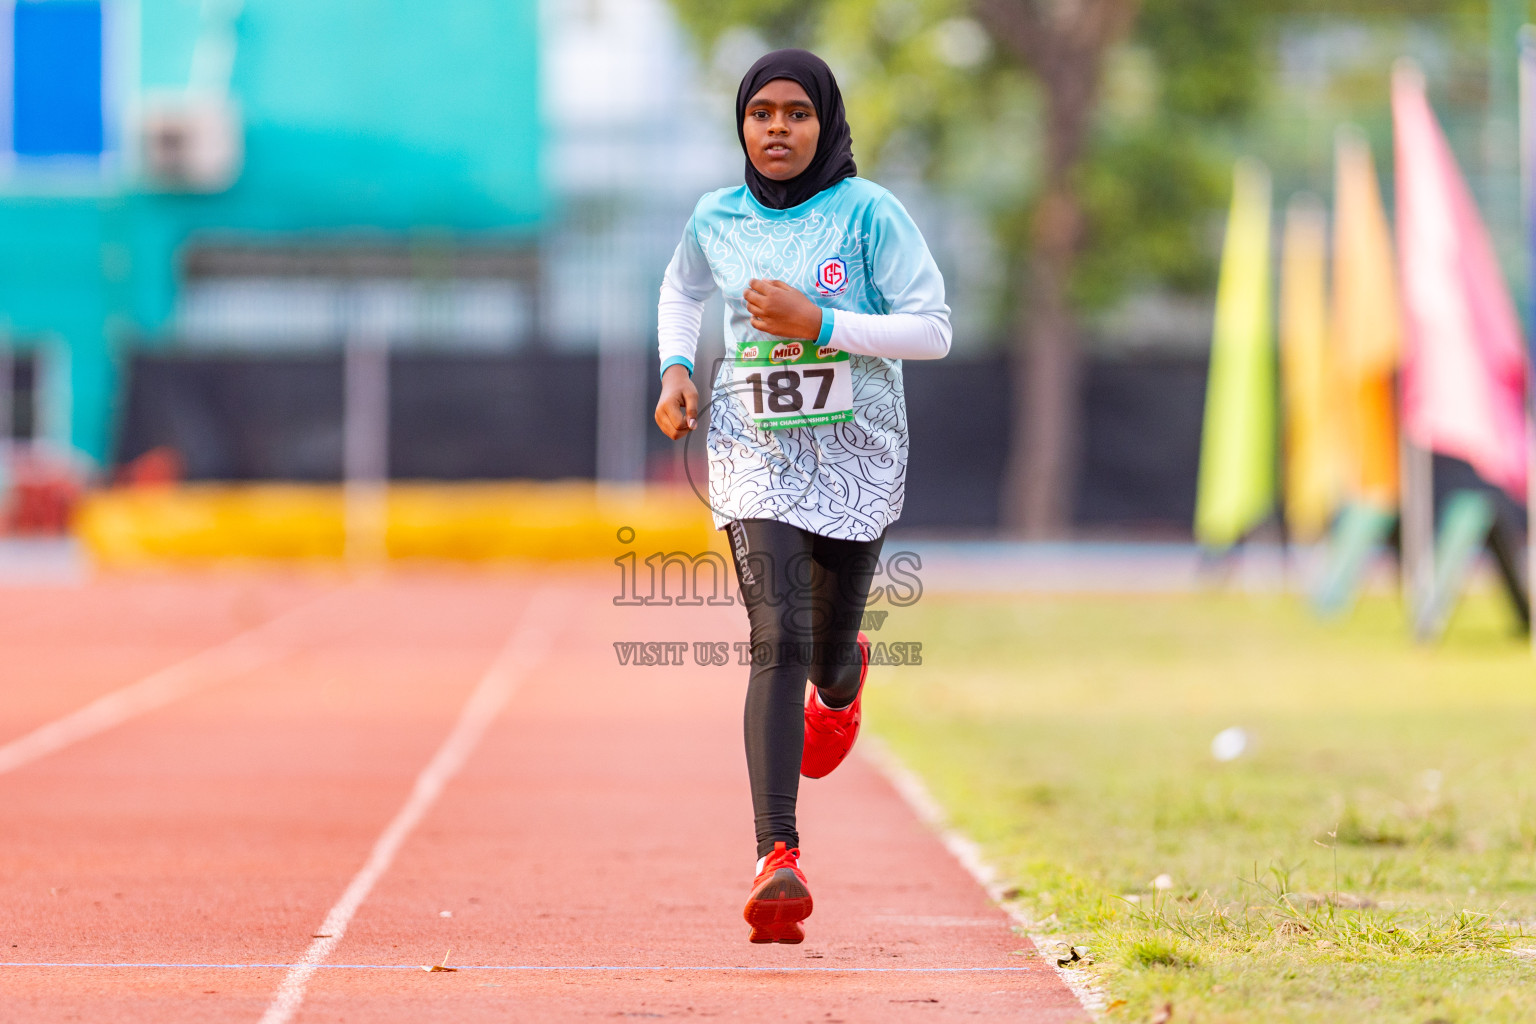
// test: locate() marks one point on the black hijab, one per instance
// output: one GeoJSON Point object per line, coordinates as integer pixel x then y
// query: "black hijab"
{"type": "Point", "coordinates": [834, 150]}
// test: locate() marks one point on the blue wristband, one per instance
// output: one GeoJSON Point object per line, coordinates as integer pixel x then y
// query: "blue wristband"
{"type": "Point", "coordinates": [676, 361]}
{"type": "Point", "coordinates": [825, 337]}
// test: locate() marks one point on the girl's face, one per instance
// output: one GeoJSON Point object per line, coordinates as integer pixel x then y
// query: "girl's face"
{"type": "Point", "coordinates": [781, 129]}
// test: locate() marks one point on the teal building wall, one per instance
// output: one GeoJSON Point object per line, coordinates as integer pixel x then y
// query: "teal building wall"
{"type": "Point", "coordinates": [376, 121]}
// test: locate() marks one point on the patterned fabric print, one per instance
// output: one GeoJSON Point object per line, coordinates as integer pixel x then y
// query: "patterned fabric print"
{"type": "Point", "coordinates": [844, 480]}
{"type": "Point", "coordinates": [743, 248]}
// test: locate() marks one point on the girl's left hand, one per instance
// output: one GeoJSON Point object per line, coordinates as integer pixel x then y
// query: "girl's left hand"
{"type": "Point", "coordinates": [781, 310]}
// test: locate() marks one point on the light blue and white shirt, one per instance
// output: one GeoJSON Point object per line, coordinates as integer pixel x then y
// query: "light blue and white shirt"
{"type": "Point", "coordinates": [844, 480]}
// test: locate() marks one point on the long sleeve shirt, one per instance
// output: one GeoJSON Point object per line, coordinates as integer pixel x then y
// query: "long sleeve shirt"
{"type": "Point", "coordinates": [855, 252]}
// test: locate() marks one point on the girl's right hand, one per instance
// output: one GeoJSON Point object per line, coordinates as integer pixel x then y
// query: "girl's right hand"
{"type": "Point", "coordinates": [677, 412]}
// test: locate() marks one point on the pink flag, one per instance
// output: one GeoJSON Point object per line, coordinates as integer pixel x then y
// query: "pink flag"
{"type": "Point", "coordinates": [1463, 383]}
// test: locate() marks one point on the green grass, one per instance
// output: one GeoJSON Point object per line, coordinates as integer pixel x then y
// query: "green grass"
{"type": "Point", "coordinates": [1370, 857]}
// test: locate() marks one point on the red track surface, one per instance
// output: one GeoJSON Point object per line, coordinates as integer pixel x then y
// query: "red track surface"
{"type": "Point", "coordinates": [593, 852]}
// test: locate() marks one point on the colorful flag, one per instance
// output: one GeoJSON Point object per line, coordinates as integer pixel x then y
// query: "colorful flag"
{"type": "Point", "coordinates": [1311, 445]}
{"type": "Point", "coordinates": [1367, 329]}
{"type": "Point", "coordinates": [1463, 379]}
{"type": "Point", "coordinates": [1236, 490]}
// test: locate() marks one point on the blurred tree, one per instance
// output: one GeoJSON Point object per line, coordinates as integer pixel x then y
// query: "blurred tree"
{"type": "Point", "coordinates": [1064, 44]}
{"type": "Point", "coordinates": [1000, 101]}
{"type": "Point", "coordinates": [1096, 135]}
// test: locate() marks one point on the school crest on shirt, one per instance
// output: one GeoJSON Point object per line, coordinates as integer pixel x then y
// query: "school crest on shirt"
{"type": "Point", "coordinates": [832, 276]}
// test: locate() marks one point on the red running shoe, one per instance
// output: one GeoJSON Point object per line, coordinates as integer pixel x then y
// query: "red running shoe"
{"type": "Point", "coordinates": [829, 733]}
{"type": "Point", "coordinates": [780, 898]}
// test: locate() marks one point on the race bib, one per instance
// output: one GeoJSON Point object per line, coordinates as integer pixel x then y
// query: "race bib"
{"type": "Point", "coordinates": [787, 384]}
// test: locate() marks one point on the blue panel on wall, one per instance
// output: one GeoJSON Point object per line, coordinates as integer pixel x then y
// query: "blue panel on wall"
{"type": "Point", "coordinates": [58, 78]}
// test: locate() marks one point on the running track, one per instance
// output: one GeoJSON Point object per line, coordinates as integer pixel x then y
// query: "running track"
{"type": "Point", "coordinates": [427, 761]}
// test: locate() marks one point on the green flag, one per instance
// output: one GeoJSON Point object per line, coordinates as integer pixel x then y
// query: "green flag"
{"type": "Point", "coordinates": [1237, 448]}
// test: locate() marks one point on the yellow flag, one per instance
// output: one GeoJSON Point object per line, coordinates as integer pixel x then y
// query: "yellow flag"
{"type": "Point", "coordinates": [1236, 490]}
{"type": "Point", "coordinates": [1367, 330]}
{"type": "Point", "coordinates": [1311, 451]}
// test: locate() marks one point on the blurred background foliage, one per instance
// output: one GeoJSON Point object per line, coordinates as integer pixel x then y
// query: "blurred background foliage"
{"type": "Point", "coordinates": [1196, 83]}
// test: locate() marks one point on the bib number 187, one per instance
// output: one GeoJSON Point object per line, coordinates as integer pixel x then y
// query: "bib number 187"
{"type": "Point", "coordinates": [783, 389]}
{"type": "Point", "coordinates": [810, 391]}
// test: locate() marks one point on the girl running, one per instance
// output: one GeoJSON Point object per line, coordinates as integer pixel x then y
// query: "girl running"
{"type": "Point", "coordinates": [828, 285]}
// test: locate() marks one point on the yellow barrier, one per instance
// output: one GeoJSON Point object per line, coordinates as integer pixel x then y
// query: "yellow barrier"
{"type": "Point", "coordinates": [471, 522]}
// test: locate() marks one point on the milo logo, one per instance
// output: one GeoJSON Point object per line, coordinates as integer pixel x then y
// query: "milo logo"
{"type": "Point", "coordinates": [788, 352]}
{"type": "Point", "coordinates": [750, 352]}
{"type": "Point", "coordinates": [826, 352]}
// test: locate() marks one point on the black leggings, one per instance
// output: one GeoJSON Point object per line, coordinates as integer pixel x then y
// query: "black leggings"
{"type": "Point", "coordinates": [805, 599]}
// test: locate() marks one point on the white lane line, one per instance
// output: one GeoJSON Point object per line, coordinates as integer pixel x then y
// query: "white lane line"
{"type": "Point", "coordinates": [914, 793]}
{"type": "Point", "coordinates": [244, 652]}
{"type": "Point", "coordinates": [526, 648]}
{"type": "Point", "coordinates": [540, 968]}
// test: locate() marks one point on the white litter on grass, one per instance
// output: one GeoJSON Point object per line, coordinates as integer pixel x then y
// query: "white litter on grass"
{"type": "Point", "coordinates": [1229, 744]}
